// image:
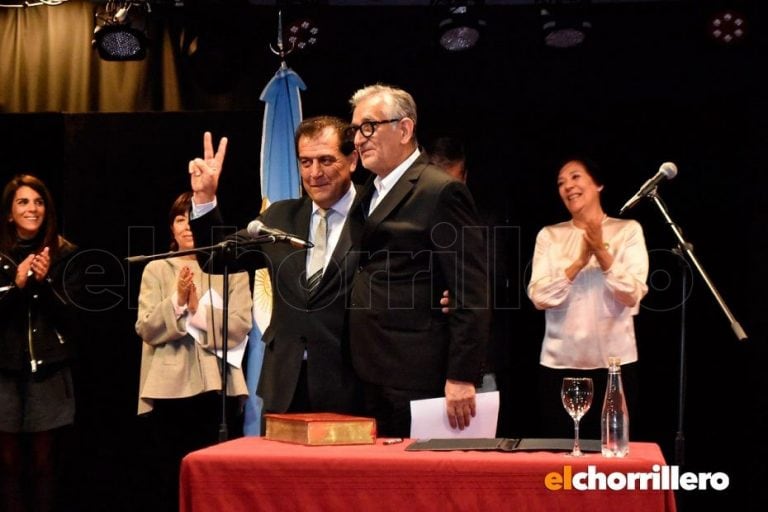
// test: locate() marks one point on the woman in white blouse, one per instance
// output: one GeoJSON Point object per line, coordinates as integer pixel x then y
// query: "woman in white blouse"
{"type": "Point", "coordinates": [589, 275]}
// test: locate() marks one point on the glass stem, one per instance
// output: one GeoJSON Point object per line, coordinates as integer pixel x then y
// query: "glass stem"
{"type": "Point", "coordinates": [576, 446]}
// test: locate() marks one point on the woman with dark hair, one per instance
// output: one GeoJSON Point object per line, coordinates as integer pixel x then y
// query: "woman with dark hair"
{"type": "Point", "coordinates": [179, 320]}
{"type": "Point", "coordinates": [589, 275]}
{"type": "Point", "coordinates": [38, 282]}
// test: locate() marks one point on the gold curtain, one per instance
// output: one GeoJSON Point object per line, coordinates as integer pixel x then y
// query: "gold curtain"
{"type": "Point", "coordinates": [47, 64]}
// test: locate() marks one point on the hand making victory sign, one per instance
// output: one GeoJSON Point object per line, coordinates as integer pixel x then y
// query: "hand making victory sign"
{"type": "Point", "coordinates": [204, 172]}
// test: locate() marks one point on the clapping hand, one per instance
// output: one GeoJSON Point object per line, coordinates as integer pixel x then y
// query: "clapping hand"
{"type": "Point", "coordinates": [41, 263]}
{"type": "Point", "coordinates": [593, 235]}
{"type": "Point", "coordinates": [192, 299]}
{"type": "Point", "coordinates": [185, 290]}
{"type": "Point", "coordinates": [33, 265]}
{"type": "Point", "coordinates": [593, 239]}
{"type": "Point", "coordinates": [585, 253]}
{"type": "Point", "coordinates": [24, 270]}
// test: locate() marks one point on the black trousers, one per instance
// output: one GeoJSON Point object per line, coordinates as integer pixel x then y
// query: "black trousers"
{"type": "Point", "coordinates": [180, 426]}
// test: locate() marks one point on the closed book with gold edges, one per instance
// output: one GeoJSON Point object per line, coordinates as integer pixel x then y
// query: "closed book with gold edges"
{"type": "Point", "coordinates": [320, 428]}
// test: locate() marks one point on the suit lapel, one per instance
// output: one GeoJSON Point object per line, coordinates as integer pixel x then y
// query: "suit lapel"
{"type": "Point", "coordinates": [337, 258]}
{"type": "Point", "coordinates": [303, 219]}
{"type": "Point", "coordinates": [363, 200]}
{"type": "Point", "coordinates": [399, 191]}
{"type": "Point", "coordinates": [301, 230]}
{"type": "Point", "coordinates": [345, 241]}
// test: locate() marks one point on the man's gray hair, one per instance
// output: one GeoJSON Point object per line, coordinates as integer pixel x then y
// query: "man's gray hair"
{"type": "Point", "coordinates": [399, 102]}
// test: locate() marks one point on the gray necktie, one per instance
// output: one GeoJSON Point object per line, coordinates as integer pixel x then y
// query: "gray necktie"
{"type": "Point", "coordinates": [316, 263]}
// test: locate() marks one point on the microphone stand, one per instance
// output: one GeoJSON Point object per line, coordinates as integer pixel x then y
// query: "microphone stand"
{"type": "Point", "coordinates": [680, 435]}
{"type": "Point", "coordinates": [686, 249]}
{"type": "Point", "coordinates": [220, 248]}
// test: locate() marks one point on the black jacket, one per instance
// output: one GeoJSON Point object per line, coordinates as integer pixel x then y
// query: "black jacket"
{"type": "Point", "coordinates": [316, 323]}
{"type": "Point", "coordinates": [38, 322]}
{"type": "Point", "coordinates": [424, 237]}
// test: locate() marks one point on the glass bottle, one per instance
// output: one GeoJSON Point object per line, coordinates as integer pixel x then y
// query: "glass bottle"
{"type": "Point", "coordinates": [614, 421]}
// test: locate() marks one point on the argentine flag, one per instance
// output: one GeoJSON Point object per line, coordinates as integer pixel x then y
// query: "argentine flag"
{"type": "Point", "coordinates": [279, 180]}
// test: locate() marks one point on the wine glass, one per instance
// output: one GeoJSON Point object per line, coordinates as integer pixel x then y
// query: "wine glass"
{"type": "Point", "coordinates": [576, 394]}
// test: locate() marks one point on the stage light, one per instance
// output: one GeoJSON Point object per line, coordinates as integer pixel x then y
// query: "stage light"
{"type": "Point", "coordinates": [117, 42]}
{"type": "Point", "coordinates": [115, 37]}
{"type": "Point", "coordinates": [302, 34]}
{"type": "Point", "coordinates": [728, 27]}
{"type": "Point", "coordinates": [461, 29]}
{"type": "Point", "coordinates": [564, 22]}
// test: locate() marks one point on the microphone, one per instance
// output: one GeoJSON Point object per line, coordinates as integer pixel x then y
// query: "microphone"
{"type": "Point", "coordinates": [667, 170]}
{"type": "Point", "coordinates": [257, 228]}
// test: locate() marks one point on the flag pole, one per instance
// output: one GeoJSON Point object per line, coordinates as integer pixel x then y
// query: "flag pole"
{"type": "Point", "coordinates": [280, 179]}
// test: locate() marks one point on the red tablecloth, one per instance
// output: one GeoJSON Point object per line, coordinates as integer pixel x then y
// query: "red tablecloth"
{"type": "Point", "coordinates": [252, 473]}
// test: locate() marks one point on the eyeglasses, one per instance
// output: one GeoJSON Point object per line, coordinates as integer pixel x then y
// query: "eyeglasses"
{"type": "Point", "coordinates": [368, 128]}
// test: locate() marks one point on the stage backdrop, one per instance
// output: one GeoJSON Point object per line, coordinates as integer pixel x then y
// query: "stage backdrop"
{"type": "Point", "coordinates": [654, 90]}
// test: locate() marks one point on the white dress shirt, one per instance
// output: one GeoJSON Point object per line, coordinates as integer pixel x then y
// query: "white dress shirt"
{"type": "Point", "coordinates": [384, 185]}
{"type": "Point", "coordinates": [337, 215]}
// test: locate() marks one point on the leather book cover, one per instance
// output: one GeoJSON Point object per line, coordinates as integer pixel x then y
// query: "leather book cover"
{"type": "Point", "coordinates": [320, 428]}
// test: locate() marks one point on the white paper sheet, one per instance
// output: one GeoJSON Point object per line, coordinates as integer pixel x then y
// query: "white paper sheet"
{"type": "Point", "coordinates": [429, 421]}
{"type": "Point", "coordinates": [234, 354]}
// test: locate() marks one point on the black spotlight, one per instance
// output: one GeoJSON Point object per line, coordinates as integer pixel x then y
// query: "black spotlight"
{"type": "Point", "coordinates": [564, 22]}
{"type": "Point", "coordinates": [118, 42]}
{"type": "Point", "coordinates": [116, 37]}
{"type": "Point", "coordinates": [462, 27]}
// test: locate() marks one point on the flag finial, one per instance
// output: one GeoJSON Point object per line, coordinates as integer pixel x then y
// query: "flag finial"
{"type": "Point", "coordinates": [280, 51]}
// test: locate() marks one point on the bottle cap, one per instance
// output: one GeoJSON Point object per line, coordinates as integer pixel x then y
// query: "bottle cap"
{"type": "Point", "coordinates": [614, 361]}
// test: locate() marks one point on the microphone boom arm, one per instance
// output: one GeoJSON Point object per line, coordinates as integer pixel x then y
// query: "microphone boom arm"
{"type": "Point", "coordinates": [221, 246]}
{"type": "Point", "coordinates": [686, 248]}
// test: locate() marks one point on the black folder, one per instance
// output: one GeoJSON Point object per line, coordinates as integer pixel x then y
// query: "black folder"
{"type": "Point", "coordinates": [504, 445]}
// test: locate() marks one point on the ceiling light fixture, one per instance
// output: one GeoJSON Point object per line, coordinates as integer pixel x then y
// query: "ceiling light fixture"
{"type": "Point", "coordinates": [303, 34]}
{"type": "Point", "coordinates": [461, 28]}
{"type": "Point", "coordinates": [564, 22]}
{"type": "Point", "coordinates": [116, 36]}
{"type": "Point", "coordinates": [728, 27]}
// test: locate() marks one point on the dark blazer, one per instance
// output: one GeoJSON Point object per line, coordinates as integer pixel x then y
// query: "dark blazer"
{"type": "Point", "coordinates": [316, 323]}
{"type": "Point", "coordinates": [423, 237]}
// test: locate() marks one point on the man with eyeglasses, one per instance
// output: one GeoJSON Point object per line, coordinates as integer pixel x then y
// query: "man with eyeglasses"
{"type": "Point", "coordinates": [306, 364]}
{"type": "Point", "coordinates": [419, 234]}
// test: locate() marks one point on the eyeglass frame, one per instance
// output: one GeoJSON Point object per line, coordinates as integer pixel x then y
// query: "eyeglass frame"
{"type": "Point", "coordinates": [353, 129]}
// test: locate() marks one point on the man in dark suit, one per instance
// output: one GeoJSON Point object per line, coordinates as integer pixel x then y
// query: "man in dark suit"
{"type": "Point", "coordinates": [419, 235]}
{"type": "Point", "coordinates": [306, 364]}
